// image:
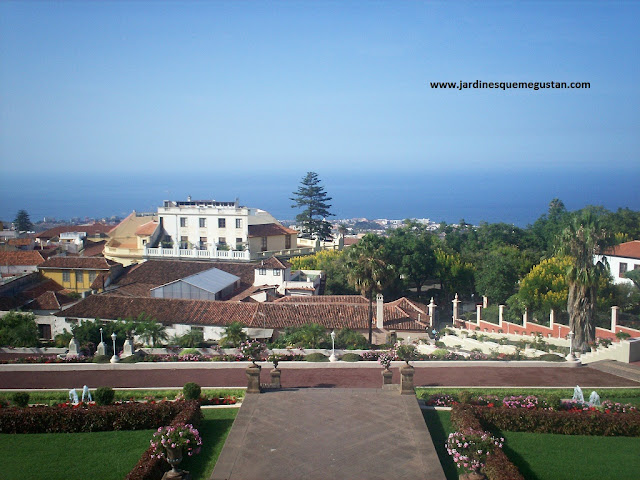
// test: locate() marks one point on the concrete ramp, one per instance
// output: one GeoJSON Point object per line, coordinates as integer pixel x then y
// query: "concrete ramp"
{"type": "Point", "coordinates": [329, 433]}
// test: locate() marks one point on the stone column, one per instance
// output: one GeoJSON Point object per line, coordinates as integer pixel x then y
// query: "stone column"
{"type": "Point", "coordinates": [478, 314]}
{"type": "Point", "coordinates": [275, 378]}
{"type": "Point", "coordinates": [128, 349]}
{"type": "Point", "coordinates": [485, 301]}
{"type": "Point", "coordinates": [74, 347]}
{"type": "Point", "coordinates": [102, 349]}
{"type": "Point", "coordinates": [614, 318]}
{"type": "Point", "coordinates": [500, 315]}
{"type": "Point", "coordinates": [525, 318]}
{"type": "Point", "coordinates": [455, 309]}
{"type": "Point", "coordinates": [379, 311]}
{"type": "Point", "coordinates": [432, 313]}
{"type": "Point", "coordinates": [552, 319]}
{"type": "Point", "coordinates": [406, 380]}
{"type": "Point", "coordinates": [253, 379]}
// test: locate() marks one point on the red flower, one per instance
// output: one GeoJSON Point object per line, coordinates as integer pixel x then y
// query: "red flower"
{"type": "Point", "coordinates": [490, 405]}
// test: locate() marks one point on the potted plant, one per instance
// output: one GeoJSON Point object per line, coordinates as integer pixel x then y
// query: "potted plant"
{"type": "Point", "coordinates": [406, 352]}
{"type": "Point", "coordinates": [385, 360]}
{"type": "Point", "coordinates": [173, 441]}
{"type": "Point", "coordinates": [469, 449]}
{"type": "Point", "coordinates": [253, 350]}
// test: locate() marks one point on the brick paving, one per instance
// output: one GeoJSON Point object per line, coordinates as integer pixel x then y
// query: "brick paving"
{"type": "Point", "coordinates": [323, 433]}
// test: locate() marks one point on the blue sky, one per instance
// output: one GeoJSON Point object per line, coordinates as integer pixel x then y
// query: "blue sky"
{"type": "Point", "coordinates": [142, 86]}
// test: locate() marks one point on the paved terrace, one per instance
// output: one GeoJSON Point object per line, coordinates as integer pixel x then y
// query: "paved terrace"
{"type": "Point", "coordinates": [323, 433]}
{"type": "Point", "coordinates": [305, 374]}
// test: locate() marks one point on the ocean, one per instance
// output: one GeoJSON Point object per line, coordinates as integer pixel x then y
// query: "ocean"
{"type": "Point", "coordinates": [517, 197]}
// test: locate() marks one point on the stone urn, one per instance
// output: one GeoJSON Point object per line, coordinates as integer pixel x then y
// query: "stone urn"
{"type": "Point", "coordinates": [253, 378]}
{"type": "Point", "coordinates": [387, 375]}
{"type": "Point", "coordinates": [174, 457]}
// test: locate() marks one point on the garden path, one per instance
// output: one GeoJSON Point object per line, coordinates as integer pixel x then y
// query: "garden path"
{"type": "Point", "coordinates": [323, 433]}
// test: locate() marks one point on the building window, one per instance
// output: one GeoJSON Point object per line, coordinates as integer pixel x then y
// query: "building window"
{"type": "Point", "coordinates": [184, 242]}
{"type": "Point", "coordinates": [203, 223]}
{"type": "Point", "coordinates": [203, 243]}
{"type": "Point", "coordinates": [276, 272]}
{"type": "Point", "coordinates": [222, 240]}
{"type": "Point", "coordinates": [262, 271]}
{"type": "Point", "coordinates": [183, 221]}
{"type": "Point", "coordinates": [222, 223]}
{"type": "Point", "coordinates": [636, 267]}
{"type": "Point", "coordinates": [623, 269]}
{"type": "Point", "coordinates": [66, 276]}
{"type": "Point", "coordinates": [263, 247]}
{"type": "Point", "coordinates": [44, 331]}
{"type": "Point", "coordinates": [79, 277]}
{"type": "Point", "coordinates": [287, 241]}
{"type": "Point", "coordinates": [238, 223]}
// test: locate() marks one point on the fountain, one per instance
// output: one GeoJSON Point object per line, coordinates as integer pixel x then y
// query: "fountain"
{"type": "Point", "coordinates": [594, 399]}
{"type": "Point", "coordinates": [86, 394]}
{"type": "Point", "coordinates": [73, 396]}
{"type": "Point", "coordinates": [577, 395]}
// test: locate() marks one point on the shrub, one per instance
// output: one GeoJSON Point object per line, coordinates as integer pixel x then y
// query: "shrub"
{"type": "Point", "coordinates": [470, 448]}
{"type": "Point", "coordinates": [104, 395]}
{"type": "Point", "coordinates": [21, 399]}
{"type": "Point", "coordinates": [316, 357]}
{"type": "Point", "coordinates": [551, 357]}
{"type": "Point", "coordinates": [191, 391]}
{"type": "Point", "coordinates": [189, 351]}
{"type": "Point", "coordinates": [131, 359]}
{"type": "Point", "coordinates": [440, 353]}
{"type": "Point", "coordinates": [622, 335]}
{"type": "Point", "coordinates": [440, 344]}
{"type": "Point", "coordinates": [465, 396]}
{"type": "Point", "coordinates": [406, 352]}
{"type": "Point", "coordinates": [101, 358]}
{"type": "Point", "coordinates": [351, 357]}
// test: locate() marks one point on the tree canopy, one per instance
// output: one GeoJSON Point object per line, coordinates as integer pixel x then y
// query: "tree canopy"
{"type": "Point", "coordinates": [22, 221]}
{"type": "Point", "coordinates": [18, 330]}
{"type": "Point", "coordinates": [313, 200]}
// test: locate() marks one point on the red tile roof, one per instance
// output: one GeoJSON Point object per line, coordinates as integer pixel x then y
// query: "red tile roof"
{"type": "Point", "coordinates": [269, 315]}
{"type": "Point", "coordinates": [346, 299]}
{"type": "Point", "coordinates": [50, 301]}
{"type": "Point", "coordinates": [20, 242]}
{"type": "Point", "coordinates": [273, 262]}
{"type": "Point", "coordinates": [269, 230]}
{"type": "Point", "coordinates": [85, 263]}
{"type": "Point", "coordinates": [93, 249]}
{"type": "Point", "coordinates": [90, 230]}
{"type": "Point", "coordinates": [628, 249]}
{"type": "Point", "coordinates": [21, 257]}
{"type": "Point", "coordinates": [42, 287]}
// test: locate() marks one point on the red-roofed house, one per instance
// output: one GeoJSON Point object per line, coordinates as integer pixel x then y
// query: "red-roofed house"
{"type": "Point", "coordinates": [94, 231]}
{"type": "Point", "coordinates": [623, 258]}
{"type": "Point", "coordinates": [128, 239]}
{"type": "Point", "coordinates": [19, 262]}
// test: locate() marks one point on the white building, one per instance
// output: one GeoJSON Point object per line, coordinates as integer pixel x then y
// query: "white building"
{"type": "Point", "coordinates": [623, 258]}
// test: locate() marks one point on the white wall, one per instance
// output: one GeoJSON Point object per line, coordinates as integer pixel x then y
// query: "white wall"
{"type": "Point", "coordinates": [614, 266]}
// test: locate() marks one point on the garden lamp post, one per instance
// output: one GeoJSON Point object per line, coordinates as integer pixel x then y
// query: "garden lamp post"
{"type": "Point", "coordinates": [332, 358]}
{"type": "Point", "coordinates": [570, 357]}
{"type": "Point", "coordinates": [101, 341]}
{"type": "Point", "coordinates": [115, 358]}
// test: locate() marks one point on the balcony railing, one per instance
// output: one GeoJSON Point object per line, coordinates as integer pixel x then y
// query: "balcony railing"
{"type": "Point", "coordinates": [194, 254]}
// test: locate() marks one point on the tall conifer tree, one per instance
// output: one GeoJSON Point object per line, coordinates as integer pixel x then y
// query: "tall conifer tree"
{"type": "Point", "coordinates": [312, 198]}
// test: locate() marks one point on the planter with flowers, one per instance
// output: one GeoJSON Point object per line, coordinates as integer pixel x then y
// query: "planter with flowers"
{"type": "Point", "coordinates": [469, 449]}
{"type": "Point", "coordinates": [172, 442]}
{"type": "Point", "coordinates": [406, 353]}
{"type": "Point", "coordinates": [385, 360]}
{"type": "Point", "coordinates": [253, 350]}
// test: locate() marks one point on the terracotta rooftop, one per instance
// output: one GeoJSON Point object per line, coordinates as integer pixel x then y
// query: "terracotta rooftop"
{"type": "Point", "coordinates": [21, 257]}
{"type": "Point", "coordinates": [93, 249]}
{"type": "Point", "coordinates": [91, 230]}
{"type": "Point", "coordinates": [273, 262]}
{"type": "Point", "coordinates": [346, 299]}
{"type": "Point", "coordinates": [269, 230]}
{"type": "Point", "coordinates": [50, 301]}
{"type": "Point", "coordinates": [20, 242]}
{"type": "Point", "coordinates": [628, 249]}
{"type": "Point", "coordinates": [147, 229]}
{"type": "Point", "coordinates": [259, 315]}
{"type": "Point", "coordinates": [87, 263]}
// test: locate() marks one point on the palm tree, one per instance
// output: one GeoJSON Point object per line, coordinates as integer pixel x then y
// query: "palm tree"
{"type": "Point", "coordinates": [152, 332]}
{"type": "Point", "coordinates": [369, 270]}
{"type": "Point", "coordinates": [581, 241]}
{"type": "Point", "coordinates": [233, 335]}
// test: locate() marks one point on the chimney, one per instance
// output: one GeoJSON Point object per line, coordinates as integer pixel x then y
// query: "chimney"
{"type": "Point", "coordinates": [379, 311]}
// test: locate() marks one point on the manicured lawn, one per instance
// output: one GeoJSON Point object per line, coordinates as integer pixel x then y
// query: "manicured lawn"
{"type": "Point", "coordinates": [551, 457]}
{"type": "Point", "coordinates": [104, 455]}
{"type": "Point", "coordinates": [214, 429]}
{"type": "Point", "coordinates": [544, 456]}
{"type": "Point", "coordinates": [51, 456]}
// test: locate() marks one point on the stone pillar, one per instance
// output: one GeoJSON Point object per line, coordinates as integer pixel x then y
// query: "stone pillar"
{"type": "Point", "coordinates": [525, 318]}
{"type": "Point", "coordinates": [485, 301]}
{"type": "Point", "coordinates": [74, 347]}
{"type": "Point", "coordinates": [406, 380]}
{"type": "Point", "coordinates": [379, 311]}
{"type": "Point", "coordinates": [128, 349]}
{"type": "Point", "coordinates": [102, 349]}
{"type": "Point", "coordinates": [387, 375]}
{"type": "Point", "coordinates": [478, 314]}
{"type": "Point", "coordinates": [275, 378]}
{"type": "Point", "coordinates": [500, 315]}
{"type": "Point", "coordinates": [614, 318]}
{"type": "Point", "coordinates": [455, 302]}
{"type": "Point", "coordinates": [552, 319]}
{"type": "Point", "coordinates": [253, 379]}
{"type": "Point", "coordinates": [432, 313]}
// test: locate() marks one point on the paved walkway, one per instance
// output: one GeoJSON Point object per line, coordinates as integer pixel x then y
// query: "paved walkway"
{"type": "Point", "coordinates": [630, 371]}
{"type": "Point", "coordinates": [317, 434]}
